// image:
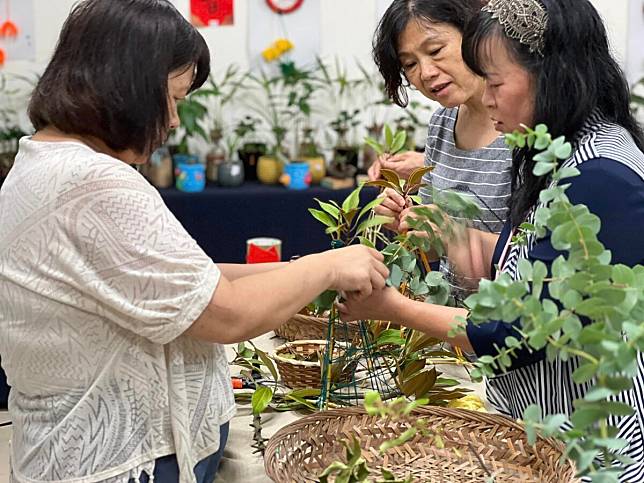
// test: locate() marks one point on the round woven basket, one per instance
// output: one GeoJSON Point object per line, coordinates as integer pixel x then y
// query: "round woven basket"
{"type": "Point", "coordinates": [298, 374]}
{"type": "Point", "coordinates": [309, 327]}
{"type": "Point", "coordinates": [300, 451]}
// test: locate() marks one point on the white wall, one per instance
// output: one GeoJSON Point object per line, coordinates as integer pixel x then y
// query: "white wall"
{"type": "Point", "coordinates": [346, 26]}
{"type": "Point", "coordinates": [346, 30]}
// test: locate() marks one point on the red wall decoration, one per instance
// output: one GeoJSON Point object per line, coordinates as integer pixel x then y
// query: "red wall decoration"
{"type": "Point", "coordinates": [211, 12]}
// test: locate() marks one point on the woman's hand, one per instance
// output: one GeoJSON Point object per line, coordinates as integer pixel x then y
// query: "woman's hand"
{"type": "Point", "coordinates": [356, 269]}
{"type": "Point", "coordinates": [380, 305]}
{"type": "Point", "coordinates": [393, 206]}
{"type": "Point", "coordinates": [402, 163]}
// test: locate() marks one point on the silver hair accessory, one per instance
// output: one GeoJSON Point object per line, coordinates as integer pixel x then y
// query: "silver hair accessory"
{"type": "Point", "coordinates": [522, 20]}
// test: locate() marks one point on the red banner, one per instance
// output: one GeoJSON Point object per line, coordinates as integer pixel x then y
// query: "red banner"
{"type": "Point", "coordinates": [211, 12]}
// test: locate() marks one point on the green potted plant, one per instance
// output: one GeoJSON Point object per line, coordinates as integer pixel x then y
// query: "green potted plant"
{"type": "Point", "coordinates": [345, 155]}
{"type": "Point", "coordinates": [269, 102]}
{"type": "Point", "coordinates": [252, 147]}
{"type": "Point", "coordinates": [231, 170]}
{"type": "Point", "coordinates": [310, 153]}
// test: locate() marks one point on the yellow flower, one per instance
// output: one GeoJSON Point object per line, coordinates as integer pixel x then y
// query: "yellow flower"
{"type": "Point", "coordinates": [471, 402]}
{"type": "Point", "coordinates": [270, 54]}
{"type": "Point", "coordinates": [283, 45]}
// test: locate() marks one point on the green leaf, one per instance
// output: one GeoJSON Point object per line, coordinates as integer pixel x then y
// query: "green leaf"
{"type": "Point", "coordinates": [564, 150]}
{"type": "Point", "coordinates": [584, 373]}
{"type": "Point", "coordinates": [366, 242]}
{"type": "Point", "coordinates": [352, 201]}
{"type": "Point", "coordinates": [375, 145]}
{"type": "Point", "coordinates": [597, 394]}
{"type": "Point", "coordinates": [542, 168]}
{"type": "Point", "coordinates": [585, 417]}
{"type": "Point", "coordinates": [395, 276]}
{"type": "Point", "coordinates": [390, 336]}
{"type": "Point", "coordinates": [377, 220]}
{"type": "Point", "coordinates": [371, 205]}
{"type": "Point", "coordinates": [332, 210]}
{"type": "Point", "coordinates": [261, 399]}
{"type": "Point", "coordinates": [389, 136]}
{"type": "Point", "coordinates": [268, 362]}
{"type": "Point", "coordinates": [398, 142]}
{"type": "Point", "coordinates": [623, 275]}
{"type": "Point", "coordinates": [323, 218]}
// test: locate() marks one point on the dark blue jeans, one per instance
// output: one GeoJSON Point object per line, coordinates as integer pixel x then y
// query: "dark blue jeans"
{"type": "Point", "coordinates": [166, 469]}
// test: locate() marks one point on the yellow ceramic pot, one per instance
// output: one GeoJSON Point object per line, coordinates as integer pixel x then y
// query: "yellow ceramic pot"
{"type": "Point", "coordinates": [269, 169]}
{"type": "Point", "coordinates": [317, 168]}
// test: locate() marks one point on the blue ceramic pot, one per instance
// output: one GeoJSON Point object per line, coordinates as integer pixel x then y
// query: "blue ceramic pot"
{"type": "Point", "coordinates": [297, 176]}
{"type": "Point", "coordinates": [190, 177]}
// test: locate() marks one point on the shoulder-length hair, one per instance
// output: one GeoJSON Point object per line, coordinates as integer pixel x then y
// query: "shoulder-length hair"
{"type": "Point", "coordinates": [576, 76]}
{"type": "Point", "coordinates": [108, 77]}
{"type": "Point", "coordinates": [456, 13]}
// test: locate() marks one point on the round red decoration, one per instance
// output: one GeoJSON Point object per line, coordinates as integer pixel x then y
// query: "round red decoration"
{"type": "Point", "coordinates": [284, 6]}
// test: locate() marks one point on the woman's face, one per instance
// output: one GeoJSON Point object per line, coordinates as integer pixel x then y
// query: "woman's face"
{"type": "Point", "coordinates": [509, 90]}
{"type": "Point", "coordinates": [430, 56]}
{"type": "Point", "coordinates": [179, 83]}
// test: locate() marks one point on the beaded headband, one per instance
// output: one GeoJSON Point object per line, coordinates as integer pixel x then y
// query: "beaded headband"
{"type": "Point", "coordinates": [522, 20]}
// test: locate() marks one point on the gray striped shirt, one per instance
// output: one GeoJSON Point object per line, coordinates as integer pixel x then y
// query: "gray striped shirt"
{"type": "Point", "coordinates": [482, 174]}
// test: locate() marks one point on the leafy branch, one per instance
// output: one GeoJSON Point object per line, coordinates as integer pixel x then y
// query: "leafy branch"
{"type": "Point", "coordinates": [593, 312]}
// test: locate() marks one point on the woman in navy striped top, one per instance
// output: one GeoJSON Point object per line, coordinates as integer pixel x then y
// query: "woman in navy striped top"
{"type": "Point", "coordinates": [546, 61]}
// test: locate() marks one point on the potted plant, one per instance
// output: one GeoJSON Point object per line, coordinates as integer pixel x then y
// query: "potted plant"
{"type": "Point", "coordinates": [271, 106]}
{"type": "Point", "coordinates": [215, 156]}
{"type": "Point", "coordinates": [231, 170]}
{"type": "Point", "coordinates": [252, 148]}
{"type": "Point", "coordinates": [345, 155]}
{"type": "Point", "coordinates": [311, 154]}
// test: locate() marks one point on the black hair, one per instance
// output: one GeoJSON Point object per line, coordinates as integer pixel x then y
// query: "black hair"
{"type": "Point", "coordinates": [576, 76]}
{"type": "Point", "coordinates": [108, 77]}
{"type": "Point", "coordinates": [456, 13]}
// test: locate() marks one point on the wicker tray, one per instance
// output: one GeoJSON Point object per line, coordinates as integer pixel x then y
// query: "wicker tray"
{"type": "Point", "coordinates": [300, 451]}
{"type": "Point", "coordinates": [303, 374]}
{"type": "Point", "coordinates": [308, 327]}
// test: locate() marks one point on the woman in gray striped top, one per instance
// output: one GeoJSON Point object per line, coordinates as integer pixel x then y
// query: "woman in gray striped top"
{"type": "Point", "coordinates": [419, 42]}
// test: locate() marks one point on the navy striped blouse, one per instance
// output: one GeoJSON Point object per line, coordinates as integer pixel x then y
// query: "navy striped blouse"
{"type": "Point", "coordinates": [611, 184]}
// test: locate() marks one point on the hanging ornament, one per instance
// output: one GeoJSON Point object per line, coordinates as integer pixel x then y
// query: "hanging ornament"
{"type": "Point", "coordinates": [8, 29]}
{"type": "Point", "coordinates": [284, 6]}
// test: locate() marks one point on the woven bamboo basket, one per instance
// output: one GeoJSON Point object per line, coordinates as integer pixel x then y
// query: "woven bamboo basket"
{"type": "Point", "coordinates": [300, 451]}
{"type": "Point", "coordinates": [298, 374]}
{"type": "Point", "coordinates": [309, 327]}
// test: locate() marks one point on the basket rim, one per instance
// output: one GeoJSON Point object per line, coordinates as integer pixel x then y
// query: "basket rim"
{"type": "Point", "coordinates": [275, 354]}
{"type": "Point", "coordinates": [455, 413]}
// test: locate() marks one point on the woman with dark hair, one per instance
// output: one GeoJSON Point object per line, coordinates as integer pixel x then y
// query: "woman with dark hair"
{"type": "Point", "coordinates": [546, 61]}
{"type": "Point", "coordinates": [418, 43]}
{"type": "Point", "coordinates": [113, 319]}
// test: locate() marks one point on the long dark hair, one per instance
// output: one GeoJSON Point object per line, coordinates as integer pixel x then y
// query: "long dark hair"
{"type": "Point", "coordinates": [108, 77]}
{"type": "Point", "coordinates": [576, 76]}
{"type": "Point", "coordinates": [456, 13]}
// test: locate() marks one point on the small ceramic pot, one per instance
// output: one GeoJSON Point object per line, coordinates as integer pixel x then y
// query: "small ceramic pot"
{"type": "Point", "coordinates": [296, 176]}
{"type": "Point", "coordinates": [269, 169]}
{"type": "Point", "coordinates": [231, 173]}
{"type": "Point", "coordinates": [190, 178]}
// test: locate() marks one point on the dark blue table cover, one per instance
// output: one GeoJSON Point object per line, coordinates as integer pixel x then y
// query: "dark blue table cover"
{"type": "Point", "coordinates": [222, 219]}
